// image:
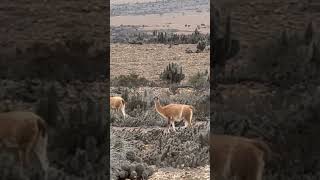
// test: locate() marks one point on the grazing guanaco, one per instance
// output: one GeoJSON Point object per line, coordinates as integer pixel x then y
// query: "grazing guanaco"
{"type": "Point", "coordinates": [175, 112]}
{"type": "Point", "coordinates": [117, 103]}
{"type": "Point", "coordinates": [232, 156]}
{"type": "Point", "coordinates": [25, 132]}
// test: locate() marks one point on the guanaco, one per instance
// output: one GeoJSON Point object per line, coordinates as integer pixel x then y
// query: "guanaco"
{"type": "Point", "coordinates": [175, 112]}
{"type": "Point", "coordinates": [26, 132]}
{"type": "Point", "coordinates": [117, 103]}
{"type": "Point", "coordinates": [232, 156]}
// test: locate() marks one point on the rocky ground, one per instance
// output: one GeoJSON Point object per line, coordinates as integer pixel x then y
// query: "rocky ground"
{"type": "Point", "coordinates": [188, 174]}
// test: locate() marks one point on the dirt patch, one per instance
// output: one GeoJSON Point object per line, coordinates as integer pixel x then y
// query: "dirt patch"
{"type": "Point", "coordinates": [200, 173]}
{"type": "Point", "coordinates": [183, 17]}
{"type": "Point", "coordinates": [183, 23]}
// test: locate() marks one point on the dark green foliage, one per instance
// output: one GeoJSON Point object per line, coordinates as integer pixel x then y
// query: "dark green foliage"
{"type": "Point", "coordinates": [164, 37]}
{"type": "Point", "coordinates": [125, 94]}
{"type": "Point", "coordinates": [195, 36]}
{"type": "Point", "coordinates": [201, 46]}
{"type": "Point", "coordinates": [225, 48]}
{"type": "Point", "coordinates": [172, 74]}
{"type": "Point", "coordinates": [136, 102]}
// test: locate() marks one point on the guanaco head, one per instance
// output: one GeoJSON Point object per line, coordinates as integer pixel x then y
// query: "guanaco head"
{"type": "Point", "coordinates": [156, 98]}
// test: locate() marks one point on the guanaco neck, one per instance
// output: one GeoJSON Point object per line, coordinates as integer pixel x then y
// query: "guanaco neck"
{"type": "Point", "coordinates": [158, 107]}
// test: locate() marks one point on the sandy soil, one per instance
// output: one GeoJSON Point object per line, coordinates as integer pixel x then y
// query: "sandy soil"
{"type": "Point", "coordinates": [200, 173]}
{"type": "Point", "coordinates": [175, 21]}
{"type": "Point", "coordinates": [159, 15]}
{"type": "Point", "coordinates": [150, 60]}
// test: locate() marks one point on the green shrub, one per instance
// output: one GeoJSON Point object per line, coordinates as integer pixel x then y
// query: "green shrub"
{"type": "Point", "coordinates": [172, 74]}
{"type": "Point", "coordinates": [201, 46]}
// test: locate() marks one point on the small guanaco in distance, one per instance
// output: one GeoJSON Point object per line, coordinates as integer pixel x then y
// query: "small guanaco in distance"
{"type": "Point", "coordinates": [175, 113]}
{"type": "Point", "coordinates": [117, 103]}
{"type": "Point", "coordinates": [24, 132]}
{"type": "Point", "coordinates": [243, 158]}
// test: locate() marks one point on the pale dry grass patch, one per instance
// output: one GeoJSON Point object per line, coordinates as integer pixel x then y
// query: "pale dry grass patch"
{"type": "Point", "coordinates": [149, 60]}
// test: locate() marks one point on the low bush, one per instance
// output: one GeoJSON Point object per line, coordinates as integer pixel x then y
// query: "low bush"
{"type": "Point", "coordinates": [199, 80]}
{"type": "Point", "coordinates": [172, 74]}
{"type": "Point", "coordinates": [132, 80]}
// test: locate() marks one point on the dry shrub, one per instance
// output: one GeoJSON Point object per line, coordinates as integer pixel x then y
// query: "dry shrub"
{"type": "Point", "coordinates": [131, 80]}
{"type": "Point", "coordinates": [199, 80]}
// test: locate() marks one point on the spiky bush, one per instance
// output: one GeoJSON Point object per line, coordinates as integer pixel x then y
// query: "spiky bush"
{"type": "Point", "coordinates": [201, 46]}
{"type": "Point", "coordinates": [172, 74]}
{"type": "Point", "coordinates": [125, 162]}
{"type": "Point", "coordinates": [185, 148]}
